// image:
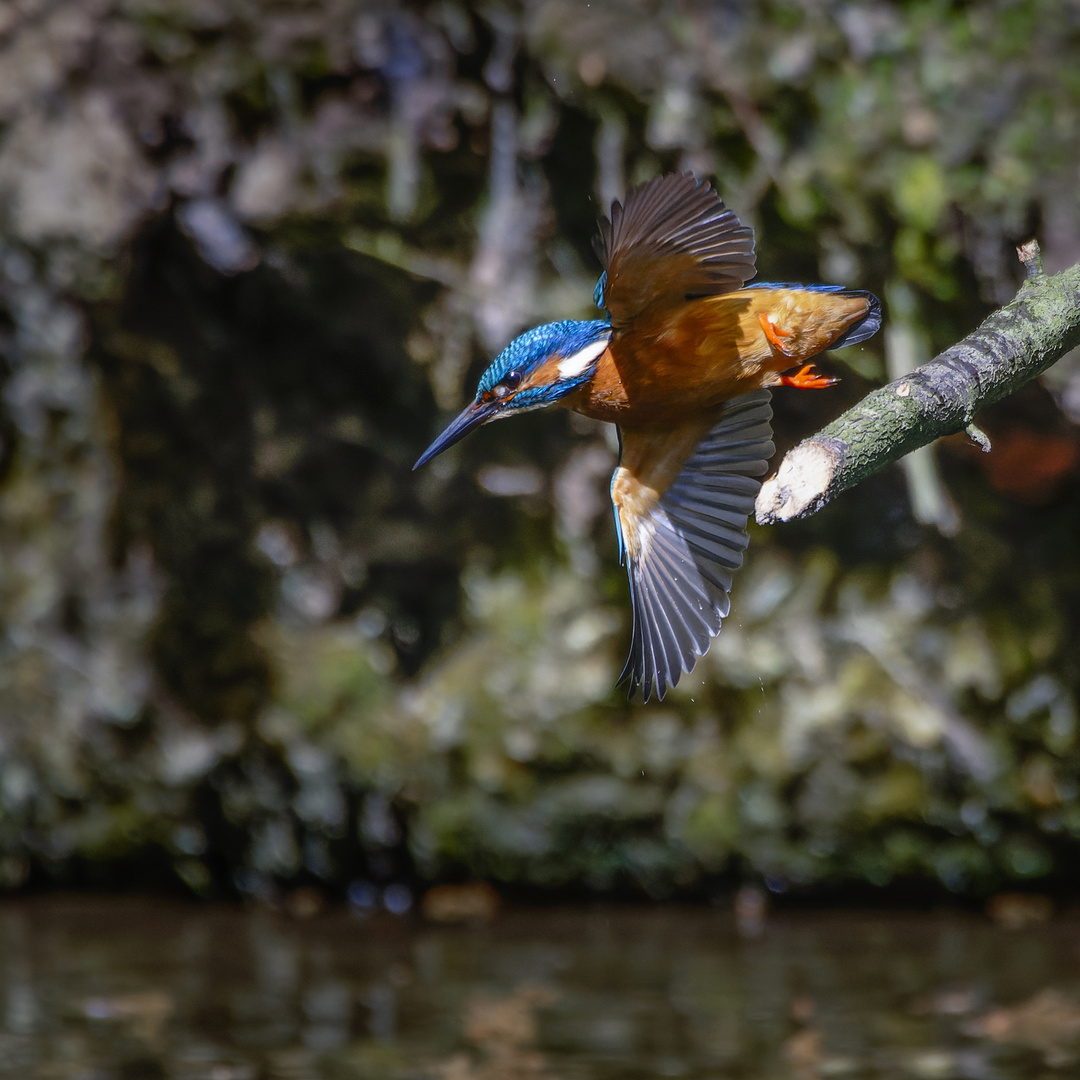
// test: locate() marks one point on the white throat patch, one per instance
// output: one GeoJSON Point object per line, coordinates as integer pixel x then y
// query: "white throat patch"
{"type": "Point", "coordinates": [578, 363]}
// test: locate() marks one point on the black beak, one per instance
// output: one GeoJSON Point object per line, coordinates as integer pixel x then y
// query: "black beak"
{"type": "Point", "coordinates": [472, 416]}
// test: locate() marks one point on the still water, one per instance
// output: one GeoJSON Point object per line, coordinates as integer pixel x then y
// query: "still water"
{"type": "Point", "coordinates": [100, 988]}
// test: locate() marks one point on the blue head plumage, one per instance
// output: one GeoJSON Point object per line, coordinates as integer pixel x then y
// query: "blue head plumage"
{"type": "Point", "coordinates": [536, 369]}
{"type": "Point", "coordinates": [524, 355]}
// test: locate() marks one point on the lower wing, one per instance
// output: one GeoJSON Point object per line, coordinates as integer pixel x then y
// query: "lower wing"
{"type": "Point", "coordinates": [682, 499]}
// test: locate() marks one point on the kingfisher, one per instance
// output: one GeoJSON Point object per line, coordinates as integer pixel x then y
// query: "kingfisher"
{"type": "Point", "coordinates": [682, 365]}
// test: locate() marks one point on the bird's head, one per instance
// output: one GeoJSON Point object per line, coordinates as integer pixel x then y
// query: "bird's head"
{"type": "Point", "coordinates": [534, 370]}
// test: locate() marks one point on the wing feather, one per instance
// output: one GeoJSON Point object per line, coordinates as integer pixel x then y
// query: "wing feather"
{"type": "Point", "coordinates": [682, 542]}
{"type": "Point", "coordinates": [676, 610]}
{"type": "Point", "coordinates": [673, 238]}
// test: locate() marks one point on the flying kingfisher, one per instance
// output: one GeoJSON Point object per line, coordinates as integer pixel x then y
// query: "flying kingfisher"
{"type": "Point", "coordinates": [682, 364]}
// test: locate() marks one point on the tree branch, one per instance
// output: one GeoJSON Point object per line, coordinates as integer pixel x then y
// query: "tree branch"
{"type": "Point", "coordinates": [1012, 346]}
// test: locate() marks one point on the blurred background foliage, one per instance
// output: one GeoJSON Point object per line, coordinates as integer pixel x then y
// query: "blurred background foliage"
{"type": "Point", "coordinates": [253, 254]}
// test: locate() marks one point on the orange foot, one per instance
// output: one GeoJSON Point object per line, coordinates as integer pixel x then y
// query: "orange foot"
{"type": "Point", "coordinates": [808, 378]}
{"type": "Point", "coordinates": [773, 334]}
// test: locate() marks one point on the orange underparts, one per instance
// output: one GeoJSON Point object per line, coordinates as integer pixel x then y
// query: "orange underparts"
{"type": "Point", "coordinates": [808, 378]}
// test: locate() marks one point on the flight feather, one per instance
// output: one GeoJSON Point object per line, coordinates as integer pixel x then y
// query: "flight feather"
{"type": "Point", "coordinates": [682, 542]}
{"type": "Point", "coordinates": [673, 239]}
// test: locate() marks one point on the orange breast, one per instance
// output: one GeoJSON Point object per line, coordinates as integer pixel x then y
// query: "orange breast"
{"type": "Point", "coordinates": [671, 365]}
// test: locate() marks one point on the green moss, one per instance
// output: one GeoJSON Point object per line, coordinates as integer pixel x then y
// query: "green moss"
{"type": "Point", "coordinates": [710, 832]}
{"type": "Point", "coordinates": [897, 794]}
{"type": "Point", "coordinates": [1024, 857]}
{"type": "Point", "coordinates": [919, 263]}
{"type": "Point", "coordinates": [921, 192]}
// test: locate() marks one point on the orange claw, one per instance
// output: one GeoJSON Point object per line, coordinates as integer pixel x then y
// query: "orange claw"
{"type": "Point", "coordinates": [808, 378]}
{"type": "Point", "coordinates": [773, 334]}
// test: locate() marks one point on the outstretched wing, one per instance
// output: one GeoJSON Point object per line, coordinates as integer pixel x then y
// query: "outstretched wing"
{"type": "Point", "coordinates": [672, 239]}
{"type": "Point", "coordinates": [681, 511]}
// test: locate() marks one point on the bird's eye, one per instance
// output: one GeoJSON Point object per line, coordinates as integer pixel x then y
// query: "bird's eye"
{"type": "Point", "coordinates": [510, 383]}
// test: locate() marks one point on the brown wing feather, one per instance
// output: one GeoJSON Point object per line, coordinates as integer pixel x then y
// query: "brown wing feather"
{"type": "Point", "coordinates": [673, 238]}
{"type": "Point", "coordinates": [682, 499]}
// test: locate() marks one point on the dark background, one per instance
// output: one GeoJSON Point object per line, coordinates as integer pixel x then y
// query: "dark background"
{"type": "Point", "coordinates": [254, 255]}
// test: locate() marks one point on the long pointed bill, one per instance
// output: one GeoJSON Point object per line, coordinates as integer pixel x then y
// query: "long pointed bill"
{"type": "Point", "coordinates": [472, 416]}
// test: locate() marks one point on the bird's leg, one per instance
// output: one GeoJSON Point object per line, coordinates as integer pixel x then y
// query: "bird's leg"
{"type": "Point", "coordinates": [808, 378]}
{"type": "Point", "coordinates": [773, 334]}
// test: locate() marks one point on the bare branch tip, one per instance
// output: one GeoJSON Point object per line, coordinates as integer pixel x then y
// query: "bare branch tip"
{"type": "Point", "coordinates": [801, 484]}
{"type": "Point", "coordinates": [1030, 255]}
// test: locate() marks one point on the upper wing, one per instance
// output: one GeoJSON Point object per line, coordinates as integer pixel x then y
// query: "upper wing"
{"type": "Point", "coordinates": [672, 239]}
{"type": "Point", "coordinates": [681, 505]}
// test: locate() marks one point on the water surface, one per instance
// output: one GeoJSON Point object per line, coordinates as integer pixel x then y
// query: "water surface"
{"type": "Point", "coordinates": [106, 988]}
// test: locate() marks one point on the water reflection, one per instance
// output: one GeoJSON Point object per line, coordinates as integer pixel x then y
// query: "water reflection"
{"type": "Point", "coordinates": [124, 989]}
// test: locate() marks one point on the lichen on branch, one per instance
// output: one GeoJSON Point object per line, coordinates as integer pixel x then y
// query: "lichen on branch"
{"type": "Point", "coordinates": [1011, 347]}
